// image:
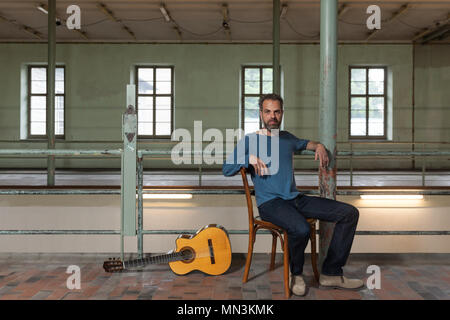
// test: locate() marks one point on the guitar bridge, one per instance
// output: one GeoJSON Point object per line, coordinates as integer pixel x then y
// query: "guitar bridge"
{"type": "Point", "coordinates": [211, 252]}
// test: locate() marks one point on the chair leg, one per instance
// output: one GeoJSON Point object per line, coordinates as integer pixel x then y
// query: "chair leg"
{"type": "Point", "coordinates": [274, 249]}
{"type": "Point", "coordinates": [248, 262]}
{"type": "Point", "coordinates": [313, 252]}
{"type": "Point", "coordinates": [287, 290]}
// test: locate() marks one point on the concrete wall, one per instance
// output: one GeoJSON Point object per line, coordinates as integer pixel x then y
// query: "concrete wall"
{"type": "Point", "coordinates": [103, 212]}
{"type": "Point", "coordinates": [207, 88]}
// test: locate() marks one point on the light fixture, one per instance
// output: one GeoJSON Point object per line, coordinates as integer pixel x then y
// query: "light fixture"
{"type": "Point", "coordinates": [42, 8]}
{"type": "Point", "coordinates": [284, 9]}
{"type": "Point", "coordinates": [392, 196]}
{"type": "Point", "coordinates": [167, 196]}
{"type": "Point", "coordinates": [164, 12]}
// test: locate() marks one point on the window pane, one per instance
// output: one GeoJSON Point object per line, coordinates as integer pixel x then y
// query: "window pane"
{"type": "Point", "coordinates": [59, 128]}
{"type": "Point", "coordinates": [163, 87]}
{"type": "Point", "coordinates": [252, 80]}
{"type": "Point", "coordinates": [163, 128]}
{"type": "Point", "coordinates": [163, 109]}
{"type": "Point", "coordinates": [37, 128]}
{"type": "Point", "coordinates": [145, 103]}
{"type": "Point", "coordinates": [145, 115]}
{"type": "Point", "coordinates": [251, 115]}
{"type": "Point", "coordinates": [163, 74]}
{"type": "Point", "coordinates": [59, 87]}
{"type": "Point", "coordinates": [358, 87]}
{"type": "Point", "coordinates": [251, 103]}
{"type": "Point", "coordinates": [59, 74]}
{"type": "Point", "coordinates": [359, 104]}
{"type": "Point", "coordinates": [38, 102]}
{"type": "Point", "coordinates": [38, 115]}
{"type": "Point", "coordinates": [376, 87]}
{"type": "Point", "coordinates": [376, 116]}
{"type": "Point", "coordinates": [358, 74]}
{"type": "Point", "coordinates": [250, 127]}
{"type": "Point", "coordinates": [251, 74]}
{"type": "Point", "coordinates": [376, 103]}
{"type": "Point", "coordinates": [145, 74]}
{"type": "Point", "coordinates": [145, 87]}
{"type": "Point", "coordinates": [267, 87]}
{"type": "Point", "coordinates": [145, 128]}
{"type": "Point", "coordinates": [358, 127]}
{"type": "Point", "coordinates": [38, 74]}
{"type": "Point", "coordinates": [38, 86]}
{"type": "Point", "coordinates": [267, 74]}
{"type": "Point", "coordinates": [376, 74]}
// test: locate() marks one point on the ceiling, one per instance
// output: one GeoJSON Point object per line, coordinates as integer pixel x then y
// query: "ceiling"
{"type": "Point", "coordinates": [194, 21]}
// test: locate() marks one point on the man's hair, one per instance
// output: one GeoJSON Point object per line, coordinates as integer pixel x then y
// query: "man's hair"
{"type": "Point", "coordinates": [270, 96]}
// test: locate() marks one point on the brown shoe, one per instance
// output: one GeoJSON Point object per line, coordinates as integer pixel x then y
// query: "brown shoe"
{"type": "Point", "coordinates": [297, 285]}
{"type": "Point", "coordinates": [340, 282]}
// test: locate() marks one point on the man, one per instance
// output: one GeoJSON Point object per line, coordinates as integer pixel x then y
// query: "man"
{"type": "Point", "coordinates": [279, 201]}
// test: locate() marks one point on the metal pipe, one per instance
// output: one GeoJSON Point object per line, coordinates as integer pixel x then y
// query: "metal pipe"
{"type": "Point", "coordinates": [328, 113]}
{"type": "Point", "coordinates": [60, 152]}
{"type": "Point", "coordinates": [276, 47]}
{"type": "Point", "coordinates": [51, 90]}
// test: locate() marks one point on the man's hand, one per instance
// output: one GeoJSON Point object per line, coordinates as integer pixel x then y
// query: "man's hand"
{"type": "Point", "coordinates": [259, 166]}
{"type": "Point", "coordinates": [322, 154]}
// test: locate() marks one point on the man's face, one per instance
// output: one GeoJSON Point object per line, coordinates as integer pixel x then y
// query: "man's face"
{"type": "Point", "coordinates": [271, 114]}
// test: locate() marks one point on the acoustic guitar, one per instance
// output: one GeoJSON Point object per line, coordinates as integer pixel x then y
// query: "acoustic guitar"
{"type": "Point", "coordinates": [208, 250]}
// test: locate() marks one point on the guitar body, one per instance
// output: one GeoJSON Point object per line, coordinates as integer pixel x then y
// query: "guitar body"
{"type": "Point", "coordinates": [210, 250]}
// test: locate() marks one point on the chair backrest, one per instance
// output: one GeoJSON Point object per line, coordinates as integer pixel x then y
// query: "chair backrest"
{"type": "Point", "coordinates": [248, 196]}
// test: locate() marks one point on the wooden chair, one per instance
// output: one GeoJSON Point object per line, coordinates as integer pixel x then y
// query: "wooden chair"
{"type": "Point", "coordinates": [254, 224]}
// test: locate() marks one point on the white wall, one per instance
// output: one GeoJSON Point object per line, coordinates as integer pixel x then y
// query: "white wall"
{"type": "Point", "coordinates": [103, 212]}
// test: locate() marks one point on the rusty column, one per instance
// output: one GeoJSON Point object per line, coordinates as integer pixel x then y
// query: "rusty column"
{"type": "Point", "coordinates": [328, 113]}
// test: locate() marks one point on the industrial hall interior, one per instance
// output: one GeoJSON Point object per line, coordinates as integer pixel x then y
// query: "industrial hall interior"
{"type": "Point", "coordinates": [224, 150]}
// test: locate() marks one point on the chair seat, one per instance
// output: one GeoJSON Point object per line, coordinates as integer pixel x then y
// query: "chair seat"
{"type": "Point", "coordinates": [269, 225]}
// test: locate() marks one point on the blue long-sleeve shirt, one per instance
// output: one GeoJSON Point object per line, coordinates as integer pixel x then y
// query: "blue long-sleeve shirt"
{"type": "Point", "coordinates": [280, 183]}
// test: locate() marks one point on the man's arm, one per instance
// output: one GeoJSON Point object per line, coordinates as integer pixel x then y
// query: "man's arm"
{"type": "Point", "coordinates": [321, 152]}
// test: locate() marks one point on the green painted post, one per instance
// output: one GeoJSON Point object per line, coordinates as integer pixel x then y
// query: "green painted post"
{"type": "Point", "coordinates": [50, 125]}
{"type": "Point", "coordinates": [128, 170]}
{"type": "Point", "coordinates": [276, 47]}
{"type": "Point", "coordinates": [328, 113]}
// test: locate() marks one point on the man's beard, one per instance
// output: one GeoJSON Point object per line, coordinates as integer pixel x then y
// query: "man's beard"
{"type": "Point", "coordinates": [272, 125]}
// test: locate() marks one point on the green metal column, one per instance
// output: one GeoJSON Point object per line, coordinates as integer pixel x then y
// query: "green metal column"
{"type": "Point", "coordinates": [328, 113]}
{"type": "Point", "coordinates": [51, 90]}
{"type": "Point", "coordinates": [128, 167]}
{"type": "Point", "coordinates": [276, 47]}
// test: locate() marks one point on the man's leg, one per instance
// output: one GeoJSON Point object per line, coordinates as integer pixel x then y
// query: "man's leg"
{"type": "Point", "coordinates": [284, 214]}
{"type": "Point", "coordinates": [346, 218]}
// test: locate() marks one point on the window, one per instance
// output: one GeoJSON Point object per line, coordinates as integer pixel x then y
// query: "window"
{"type": "Point", "coordinates": [257, 80]}
{"type": "Point", "coordinates": [154, 105]}
{"type": "Point", "coordinates": [367, 102]}
{"type": "Point", "coordinates": [37, 101]}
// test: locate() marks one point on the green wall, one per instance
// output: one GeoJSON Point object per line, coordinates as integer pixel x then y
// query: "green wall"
{"type": "Point", "coordinates": [207, 88]}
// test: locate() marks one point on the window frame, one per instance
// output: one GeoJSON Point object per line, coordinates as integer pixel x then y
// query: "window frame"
{"type": "Point", "coordinates": [154, 95]}
{"type": "Point", "coordinates": [29, 95]}
{"type": "Point", "coordinates": [367, 96]}
{"type": "Point", "coordinates": [244, 95]}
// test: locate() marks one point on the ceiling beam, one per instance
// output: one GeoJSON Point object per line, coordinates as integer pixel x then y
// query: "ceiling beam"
{"type": "Point", "coordinates": [22, 27]}
{"type": "Point", "coordinates": [342, 10]}
{"type": "Point", "coordinates": [397, 14]}
{"type": "Point", "coordinates": [226, 20]}
{"type": "Point", "coordinates": [103, 8]}
{"type": "Point", "coordinates": [169, 19]}
{"type": "Point", "coordinates": [82, 33]}
{"type": "Point", "coordinates": [432, 28]}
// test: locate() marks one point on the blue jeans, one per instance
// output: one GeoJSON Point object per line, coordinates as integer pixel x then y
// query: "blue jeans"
{"type": "Point", "coordinates": [291, 215]}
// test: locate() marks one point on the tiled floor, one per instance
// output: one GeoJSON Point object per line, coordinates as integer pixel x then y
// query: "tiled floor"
{"type": "Point", "coordinates": [43, 276]}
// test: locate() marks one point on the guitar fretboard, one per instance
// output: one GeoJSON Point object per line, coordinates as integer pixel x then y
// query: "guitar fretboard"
{"type": "Point", "coordinates": [165, 258]}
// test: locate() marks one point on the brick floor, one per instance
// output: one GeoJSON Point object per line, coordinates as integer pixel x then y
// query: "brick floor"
{"type": "Point", "coordinates": [43, 277]}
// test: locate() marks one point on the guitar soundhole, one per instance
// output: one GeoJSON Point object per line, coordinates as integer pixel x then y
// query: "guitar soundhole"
{"type": "Point", "coordinates": [188, 254]}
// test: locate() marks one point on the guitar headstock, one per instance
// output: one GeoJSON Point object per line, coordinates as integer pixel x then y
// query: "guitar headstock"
{"type": "Point", "coordinates": [113, 265]}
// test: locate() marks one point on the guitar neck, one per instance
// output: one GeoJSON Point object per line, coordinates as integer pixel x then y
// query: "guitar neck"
{"type": "Point", "coordinates": [164, 258]}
